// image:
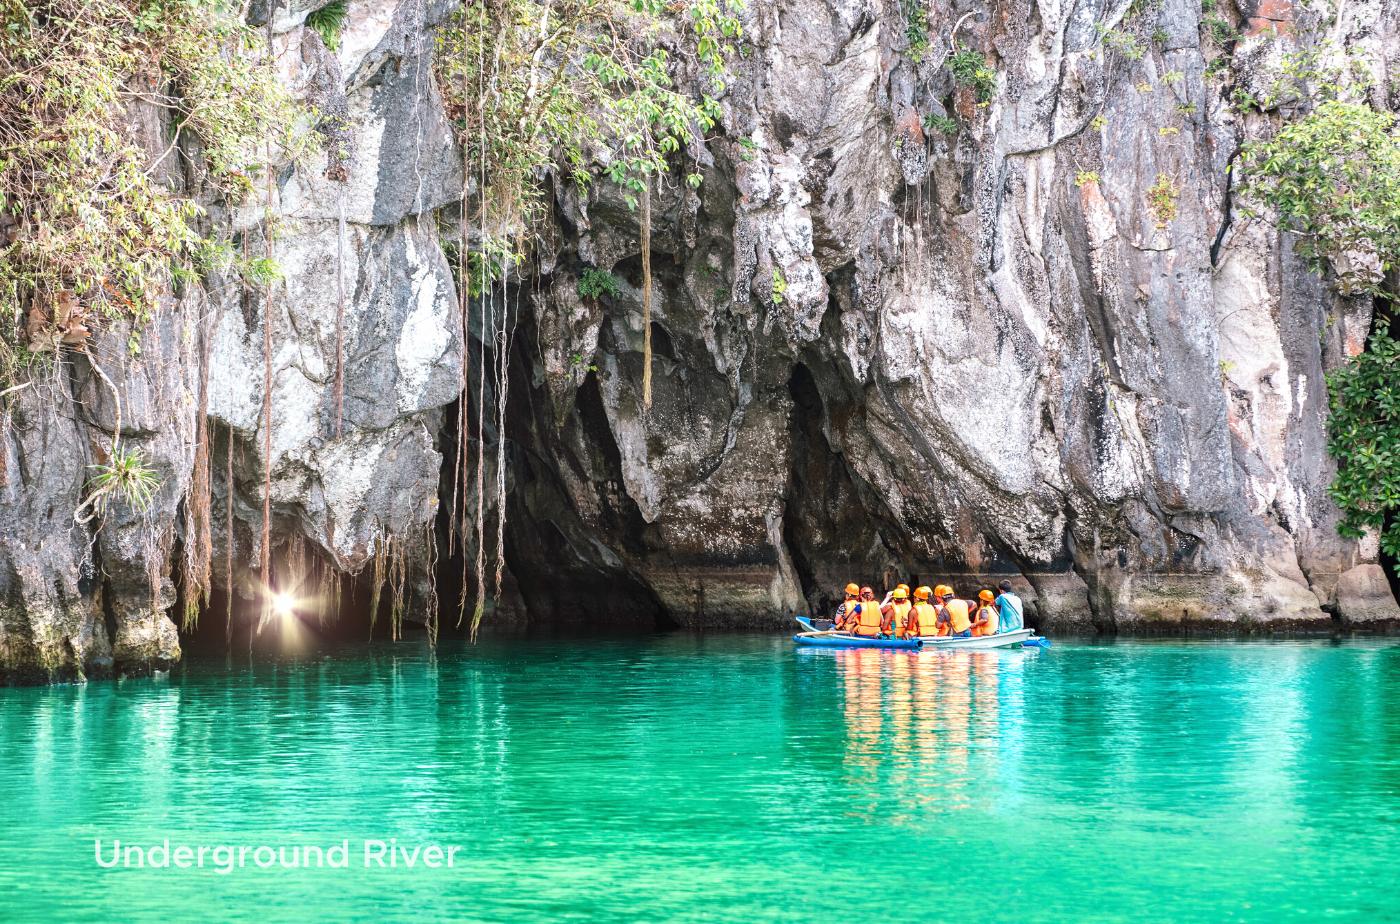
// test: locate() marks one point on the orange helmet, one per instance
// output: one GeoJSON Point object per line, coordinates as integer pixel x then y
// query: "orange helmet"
{"type": "Point", "coordinates": [903, 587]}
{"type": "Point", "coordinates": [852, 590]}
{"type": "Point", "coordinates": [866, 590]}
{"type": "Point", "coordinates": [987, 595]}
{"type": "Point", "coordinates": [943, 590]}
{"type": "Point", "coordinates": [901, 592]}
{"type": "Point", "coordinates": [921, 594]}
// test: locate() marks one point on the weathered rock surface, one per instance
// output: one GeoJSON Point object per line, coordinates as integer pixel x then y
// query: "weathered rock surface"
{"type": "Point", "coordinates": [882, 352]}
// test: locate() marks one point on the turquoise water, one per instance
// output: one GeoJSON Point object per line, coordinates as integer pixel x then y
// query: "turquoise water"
{"type": "Point", "coordinates": [722, 778]}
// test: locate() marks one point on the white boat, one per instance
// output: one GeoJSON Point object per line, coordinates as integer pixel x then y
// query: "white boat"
{"type": "Point", "coordinates": [832, 639]}
{"type": "Point", "coordinates": [1000, 640]}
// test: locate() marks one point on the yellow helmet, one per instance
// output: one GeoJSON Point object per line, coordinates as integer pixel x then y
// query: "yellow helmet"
{"type": "Point", "coordinates": [901, 592]}
{"type": "Point", "coordinates": [903, 587]}
{"type": "Point", "coordinates": [943, 590]}
{"type": "Point", "coordinates": [921, 594]}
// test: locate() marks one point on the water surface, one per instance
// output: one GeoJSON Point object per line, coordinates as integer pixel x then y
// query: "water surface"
{"type": "Point", "coordinates": [723, 778]}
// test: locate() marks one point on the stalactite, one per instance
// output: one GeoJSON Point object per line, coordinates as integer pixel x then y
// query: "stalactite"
{"type": "Point", "coordinates": [646, 291]}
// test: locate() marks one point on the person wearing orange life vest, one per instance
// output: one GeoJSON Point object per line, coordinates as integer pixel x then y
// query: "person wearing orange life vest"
{"type": "Point", "coordinates": [985, 620]}
{"type": "Point", "coordinates": [923, 618]}
{"type": "Point", "coordinates": [848, 608]}
{"type": "Point", "coordinates": [897, 612]}
{"type": "Point", "coordinates": [959, 621]}
{"type": "Point", "coordinates": [869, 620]}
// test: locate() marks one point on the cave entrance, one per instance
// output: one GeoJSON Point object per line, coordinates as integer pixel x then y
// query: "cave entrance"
{"type": "Point", "coordinates": [556, 577]}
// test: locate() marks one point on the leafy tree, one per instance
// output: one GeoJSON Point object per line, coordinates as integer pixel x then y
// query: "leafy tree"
{"type": "Point", "coordinates": [1333, 176]}
{"type": "Point", "coordinates": [1364, 438]}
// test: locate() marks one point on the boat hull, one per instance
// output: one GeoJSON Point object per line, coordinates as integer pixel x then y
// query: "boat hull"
{"type": "Point", "coordinates": [1000, 640]}
{"type": "Point", "coordinates": [832, 640]}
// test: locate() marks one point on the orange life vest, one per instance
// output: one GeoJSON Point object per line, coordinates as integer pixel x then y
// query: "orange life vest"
{"type": "Point", "coordinates": [924, 620]}
{"type": "Point", "coordinates": [988, 613]}
{"type": "Point", "coordinates": [868, 619]}
{"type": "Point", "coordinates": [899, 617]}
{"type": "Point", "coordinates": [957, 615]}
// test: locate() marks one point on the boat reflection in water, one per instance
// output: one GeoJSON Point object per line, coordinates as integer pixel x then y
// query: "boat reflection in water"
{"type": "Point", "coordinates": [943, 729]}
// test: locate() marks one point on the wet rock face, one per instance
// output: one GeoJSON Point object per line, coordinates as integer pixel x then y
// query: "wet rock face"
{"type": "Point", "coordinates": [1045, 347]}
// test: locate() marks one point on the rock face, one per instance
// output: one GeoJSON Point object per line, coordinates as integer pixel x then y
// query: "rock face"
{"type": "Point", "coordinates": [1046, 346]}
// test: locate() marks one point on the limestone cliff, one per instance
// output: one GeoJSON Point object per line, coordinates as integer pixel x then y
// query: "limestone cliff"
{"type": "Point", "coordinates": [987, 354]}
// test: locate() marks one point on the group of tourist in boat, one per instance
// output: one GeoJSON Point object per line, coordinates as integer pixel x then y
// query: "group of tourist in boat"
{"type": "Point", "coordinates": [929, 614]}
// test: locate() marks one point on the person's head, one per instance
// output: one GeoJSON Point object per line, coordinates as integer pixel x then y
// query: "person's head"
{"type": "Point", "coordinates": [942, 592]}
{"type": "Point", "coordinates": [867, 594]}
{"type": "Point", "coordinates": [1005, 587]}
{"type": "Point", "coordinates": [921, 594]}
{"type": "Point", "coordinates": [986, 596]}
{"type": "Point", "coordinates": [852, 591]}
{"type": "Point", "coordinates": [901, 592]}
{"type": "Point", "coordinates": [903, 587]}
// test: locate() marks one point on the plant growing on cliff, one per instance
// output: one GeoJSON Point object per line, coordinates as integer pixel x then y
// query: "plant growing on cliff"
{"type": "Point", "coordinates": [1333, 177]}
{"type": "Point", "coordinates": [1161, 200]}
{"type": "Point", "coordinates": [328, 22]}
{"type": "Point", "coordinates": [1364, 439]}
{"type": "Point", "coordinates": [915, 27]}
{"type": "Point", "coordinates": [87, 223]}
{"type": "Point", "coordinates": [939, 123]}
{"type": "Point", "coordinates": [595, 283]}
{"type": "Point", "coordinates": [970, 69]}
{"type": "Point", "coordinates": [124, 475]}
{"type": "Point", "coordinates": [779, 286]}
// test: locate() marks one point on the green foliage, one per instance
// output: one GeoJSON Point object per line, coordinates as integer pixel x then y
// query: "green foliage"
{"type": "Point", "coordinates": [570, 80]}
{"type": "Point", "coordinates": [327, 22]}
{"type": "Point", "coordinates": [779, 286]}
{"type": "Point", "coordinates": [749, 150]}
{"type": "Point", "coordinates": [1364, 438]}
{"type": "Point", "coordinates": [124, 476]}
{"type": "Point", "coordinates": [1334, 178]}
{"type": "Point", "coordinates": [595, 283]}
{"type": "Point", "coordinates": [1186, 108]}
{"type": "Point", "coordinates": [915, 27]}
{"type": "Point", "coordinates": [1219, 30]}
{"type": "Point", "coordinates": [939, 123]}
{"type": "Point", "coordinates": [1086, 177]}
{"type": "Point", "coordinates": [1309, 76]}
{"type": "Point", "coordinates": [1125, 43]}
{"type": "Point", "coordinates": [1098, 123]}
{"type": "Point", "coordinates": [971, 69]}
{"type": "Point", "coordinates": [494, 264]}
{"type": "Point", "coordinates": [1172, 77]}
{"type": "Point", "coordinates": [83, 209]}
{"type": "Point", "coordinates": [1161, 200]}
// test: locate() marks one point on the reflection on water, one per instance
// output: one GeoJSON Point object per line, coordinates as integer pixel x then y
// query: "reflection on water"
{"type": "Point", "coordinates": [914, 720]}
{"type": "Point", "coordinates": [688, 777]}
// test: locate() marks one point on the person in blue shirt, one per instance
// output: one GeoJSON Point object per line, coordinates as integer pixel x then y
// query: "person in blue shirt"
{"type": "Point", "coordinates": [1010, 610]}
